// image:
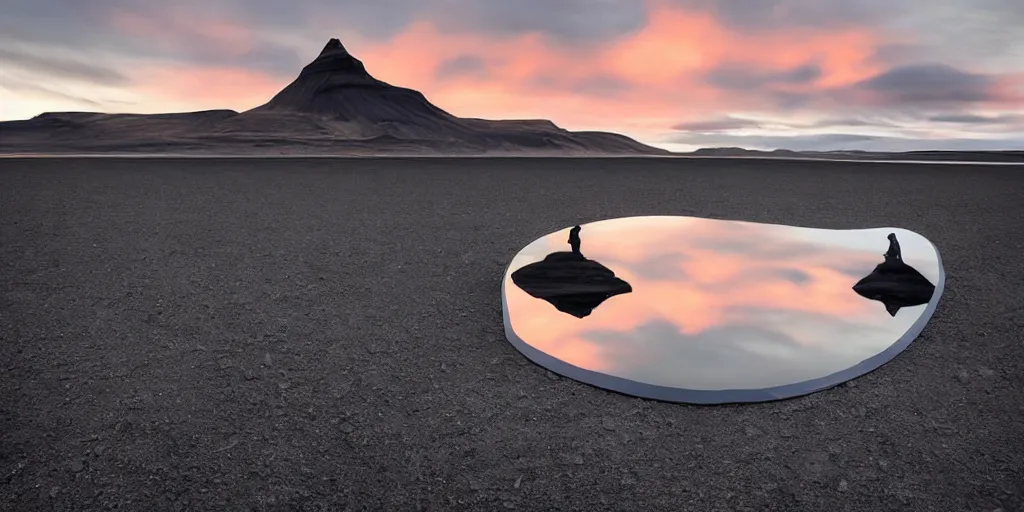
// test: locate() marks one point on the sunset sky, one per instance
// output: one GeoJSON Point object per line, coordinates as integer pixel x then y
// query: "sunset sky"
{"type": "Point", "coordinates": [679, 74]}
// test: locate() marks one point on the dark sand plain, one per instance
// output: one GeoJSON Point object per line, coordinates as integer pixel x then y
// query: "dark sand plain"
{"type": "Point", "coordinates": [326, 334]}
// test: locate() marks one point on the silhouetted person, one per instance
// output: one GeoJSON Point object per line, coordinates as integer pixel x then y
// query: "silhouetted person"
{"type": "Point", "coordinates": [569, 281]}
{"type": "Point", "coordinates": [574, 240]}
{"type": "Point", "coordinates": [894, 251]}
{"type": "Point", "coordinates": [894, 283]}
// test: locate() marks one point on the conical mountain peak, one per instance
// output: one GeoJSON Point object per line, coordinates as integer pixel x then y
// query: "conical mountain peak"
{"type": "Point", "coordinates": [334, 59]}
{"type": "Point", "coordinates": [333, 46]}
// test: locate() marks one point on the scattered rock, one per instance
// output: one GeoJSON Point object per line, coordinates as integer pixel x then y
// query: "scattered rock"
{"type": "Point", "coordinates": [100, 450]}
{"type": "Point", "coordinates": [519, 482]}
{"type": "Point", "coordinates": [76, 466]}
{"type": "Point", "coordinates": [347, 428]}
{"type": "Point", "coordinates": [843, 486]}
{"type": "Point", "coordinates": [963, 376]}
{"type": "Point", "coordinates": [283, 385]}
{"type": "Point", "coordinates": [232, 442]}
{"type": "Point", "coordinates": [550, 375]}
{"type": "Point", "coordinates": [608, 424]}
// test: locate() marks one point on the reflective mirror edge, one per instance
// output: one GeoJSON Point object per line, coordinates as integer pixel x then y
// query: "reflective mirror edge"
{"type": "Point", "coordinates": [725, 396]}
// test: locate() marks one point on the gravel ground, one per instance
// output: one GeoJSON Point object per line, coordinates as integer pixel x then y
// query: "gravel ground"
{"type": "Point", "coordinates": [321, 334]}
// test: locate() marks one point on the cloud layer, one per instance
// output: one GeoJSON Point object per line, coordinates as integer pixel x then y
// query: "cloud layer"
{"type": "Point", "coordinates": [676, 73]}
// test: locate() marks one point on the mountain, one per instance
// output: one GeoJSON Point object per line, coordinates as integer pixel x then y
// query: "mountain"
{"type": "Point", "coordinates": [334, 106]}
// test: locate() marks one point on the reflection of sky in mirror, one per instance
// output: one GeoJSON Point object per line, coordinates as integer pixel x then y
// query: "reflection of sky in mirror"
{"type": "Point", "coordinates": [722, 304]}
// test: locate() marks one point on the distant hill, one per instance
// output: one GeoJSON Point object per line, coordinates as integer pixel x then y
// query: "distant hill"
{"type": "Point", "coordinates": [930, 156]}
{"type": "Point", "coordinates": [334, 106]}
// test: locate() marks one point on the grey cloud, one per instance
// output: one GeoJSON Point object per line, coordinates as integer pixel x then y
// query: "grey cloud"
{"type": "Point", "coordinates": [929, 83]}
{"type": "Point", "coordinates": [82, 30]}
{"type": "Point", "coordinates": [268, 57]}
{"type": "Point", "coordinates": [461, 66]}
{"type": "Point", "coordinates": [794, 276]}
{"type": "Point", "coordinates": [735, 76]}
{"type": "Point", "coordinates": [977, 119]}
{"type": "Point", "coordinates": [911, 91]}
{"type": "Point", "coordinates": [578, 21]}
{"type": "Point", "coordinates": [850, 121]}
{"type": "Point", "coordinates": [23, 86]}
{"type": "Point", "coordinates": [775, 14]}
{"type": "Point", "coordinates": [898, 54]}
{"type": "Point", "coordinates": [62, 67]}
{"type": "Point", "coordinates": [834, 122]}
{"type": "Point", "coordinates": [717, 125]}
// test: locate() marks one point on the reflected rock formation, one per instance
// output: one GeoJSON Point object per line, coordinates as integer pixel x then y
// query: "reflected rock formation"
{"type": "Point", "coordinates": [569, 281]}
{"type": "Point", "coordinates": [894, 283]}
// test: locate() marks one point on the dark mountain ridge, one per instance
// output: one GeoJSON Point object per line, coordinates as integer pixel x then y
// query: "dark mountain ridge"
{"type": "Point", "coordinates": [334, 106]}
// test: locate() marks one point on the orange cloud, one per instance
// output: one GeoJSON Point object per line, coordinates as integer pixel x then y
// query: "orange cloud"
{"type": "Point", "coordinates": [207, 88]}
{"type": "Point", "coordinates": [664, 63]}
{"type": "Point", "coordinates": [662, 67]}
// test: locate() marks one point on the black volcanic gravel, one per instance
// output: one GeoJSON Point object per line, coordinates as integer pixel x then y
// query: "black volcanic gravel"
{"type": "Point", "coordinates": [326, 334]}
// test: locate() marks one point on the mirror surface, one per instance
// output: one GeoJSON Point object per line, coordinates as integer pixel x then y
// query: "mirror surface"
{"type": "Point", "coordinates": [711, 311]}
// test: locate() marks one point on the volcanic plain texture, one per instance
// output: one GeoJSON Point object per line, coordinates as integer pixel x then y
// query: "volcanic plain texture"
{"type": "Point", "coordinates": [334, 107]}
{"type": "Point", "coordinates": [326, 334]}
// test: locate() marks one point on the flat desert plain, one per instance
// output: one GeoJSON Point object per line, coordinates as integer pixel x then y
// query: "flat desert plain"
{"type": "Point", "coordinates": [326, 334]}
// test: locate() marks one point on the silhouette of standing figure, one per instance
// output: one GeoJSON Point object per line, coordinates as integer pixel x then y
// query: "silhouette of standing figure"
{"type": "Point", "coordinates": [894, 251]}
{"type": "Point", "coordinates": [574, 239]}
{"type": "Point", "coordinates": [894, 283]}
{"type": "Point", "coordinates": [569, 281]}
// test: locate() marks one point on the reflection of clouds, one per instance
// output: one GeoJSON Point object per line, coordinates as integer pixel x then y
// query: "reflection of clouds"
{"type": "Point", "coordinates": [658, 266]}
{"type": "Point", "coordinates": [794, 275]}
{"type": "Point", "coordinates": [731, 356]}
{"type": "Point", "coordinates": [719, 304]}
